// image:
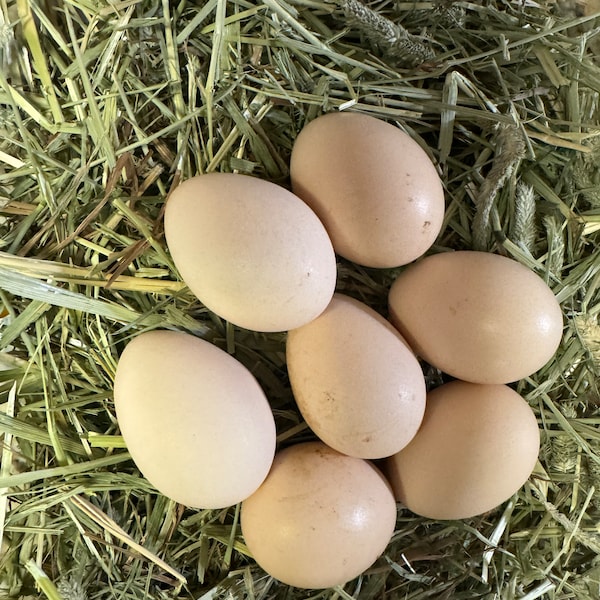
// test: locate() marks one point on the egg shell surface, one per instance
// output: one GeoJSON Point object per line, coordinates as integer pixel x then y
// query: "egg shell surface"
{"type": "Point", "coordinates": [375, 189]}
{"type": "Point", "coordinates": [356, 382]}
{"type": "Point", "coordinates": [195, 420]}
{"type": "Point", "coordinates": [477, 316]}
{"type": "Point", "coordinates": [477, 445]}
{"type": "Point", "coordinates": [250, 250]}
{"type": "Point", "coordinates": [320, 518]}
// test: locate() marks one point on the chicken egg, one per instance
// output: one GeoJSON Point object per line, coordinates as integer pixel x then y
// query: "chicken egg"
{"type": "Point", "coordinates": [196, 422]}
{"type": "Point", "coordinates": [477, 316]}
{"type": "Point", "coordinates": [250, 250]}
{"type": "Point", "coordinates": [477, 445]}
{"type": "Point", "coordinates": [320, 518]}
{"type": "Point", "coordinates": [375, 189]}
{"type": "Point", "coordinates": [356, 382]}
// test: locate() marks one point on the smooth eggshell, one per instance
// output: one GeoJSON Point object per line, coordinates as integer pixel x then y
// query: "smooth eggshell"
{"type": "Point", "coordinates": [375, 189]}
{"type": "Point", "coordinates": [477, 316]}
{"type": "Point", "coordinates": [320, 518]}
{"type": "Point", "coordinates": [196, 422]}
{"type": "Point", "coordinates": [356, 382]}
{"type": "Point", "coordinates": [477, 445]}
{"type": "Point", "coordinates": [250, 250]}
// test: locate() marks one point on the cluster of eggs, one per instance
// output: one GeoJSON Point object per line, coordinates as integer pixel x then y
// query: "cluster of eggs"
{"type": "Point", "coordinates": [199, 426]}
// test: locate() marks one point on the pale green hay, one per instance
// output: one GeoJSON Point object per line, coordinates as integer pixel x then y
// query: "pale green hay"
{"type": "Point", "coordinates": [43, 581]}
{"type": "Point", "coordinates": [510, 149]}
{"type": "Point", "coordinates": [105, 106]}
{"type": "Point", "coordinates": [394, 39]}
{"type": "Point", "coordinates": [524, 227]}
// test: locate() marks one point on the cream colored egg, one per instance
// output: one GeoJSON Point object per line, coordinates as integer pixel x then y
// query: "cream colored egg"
{"type": "Point", "coordinates": [320, 518]}
{"type": "Point", "coordinates": [196, 422]}
{"type": "Point", "coordinates": [375, 189]}
{"type": "Point", "coordinates": [356, 382]}
{"type": "Point", "coordinates": [250, 250]}
{"type": "Point", "coordinates": [478, 316]}
{"type": "Point", "coordinates": [477, 446]}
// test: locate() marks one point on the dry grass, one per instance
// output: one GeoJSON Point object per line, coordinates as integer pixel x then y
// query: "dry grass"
{"type": "Point", "coordinates": [105, 106]}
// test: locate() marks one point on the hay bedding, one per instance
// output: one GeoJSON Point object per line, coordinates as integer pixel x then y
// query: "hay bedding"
{"type": "Point", "coordinates": [105, 106]}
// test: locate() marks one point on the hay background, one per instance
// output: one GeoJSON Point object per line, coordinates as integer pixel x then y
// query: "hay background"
{"type": "Point", "coordinates": [105, 106]}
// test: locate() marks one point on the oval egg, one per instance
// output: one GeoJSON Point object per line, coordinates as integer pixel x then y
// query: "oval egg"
{"type": "Point", "coordinates": [477, 445]}
{"type": "Point", "coordinates": [196, 422]}
{"type": "Point", "coordinates": [477, 316]}
{"type": "Point", "coordinates": [375, 189]}
{"type": "Point", "coordinates": [250, 250]}
{"type": "Point", "coordinates": [320, 518]}
{"type": "Point", "coordinates": [356, 382]}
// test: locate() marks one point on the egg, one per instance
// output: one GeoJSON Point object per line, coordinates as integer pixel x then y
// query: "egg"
{"type": "Point", "coordinates": [250, 250]}
{"type": "Point", "coordinates": [477, 316]}
{"type": "Point", "coordinates": [320, 518]}
{"type": "Point", "coordinates": [477, 445]}
{"type": "Point", "coordinates": [375, 189]}
{"type": "Point", "coordinates": [357, 384]}
{"type": "Point", "coordinates": [195, 420]}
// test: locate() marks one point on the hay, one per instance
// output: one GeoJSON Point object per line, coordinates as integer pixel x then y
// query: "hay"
{"type": "Point", "coordinates": [105, 106]}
